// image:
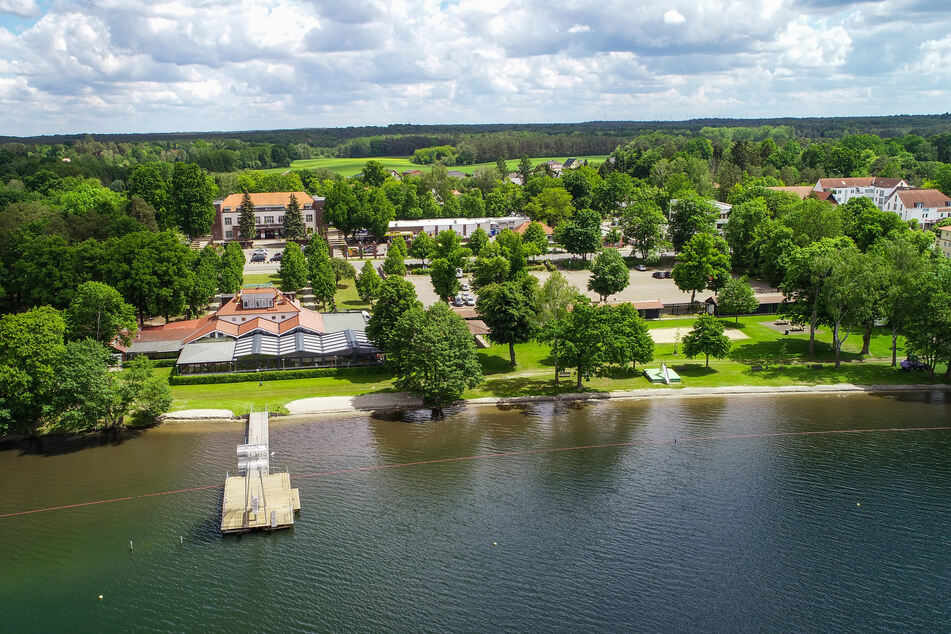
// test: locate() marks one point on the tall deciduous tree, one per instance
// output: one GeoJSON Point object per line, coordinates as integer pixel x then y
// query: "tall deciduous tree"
{"type": "Point", "coordinates": [552, 304]}
{"type": "Point", "coordinates": [851, 293]}
{"type": "Point", "coordinates": [582, 234]}
{"type": "Point", "coordinates": [98, 312]}
{"type": "Point", "coordinates": [703, 263]}
{"type": "Point", "coordinates": [928, 329]}
{"type": "Point", "coordinates": [191, 199]}
{"type": "Point", "coordinates": [587, 339]}
{"type": "Point", "coordinates": [393, 263]}
{"type": "Point", "coordinates": [535, 234]}
{"type": "Point", "coordinates": [739, 231]}
{"type": "Point", "coordinates": [433, 356]}
{"type": "Point", "coordinates": [204, 280]}
{"type": "Point", "coordinates": [905, 266]}
{"type": "Point", "coordinates": [632, 341]}
{"type": "Point", "coordinates": [477, 240]}
{"type": "Point", "coordinates": [368, 283]}
{"type": "Point", "coordinates": [231, 271]}
{"type": "Point", "coordinates": [443, 276]}
{"type": "Point", "coordinates": [707, 338]}
{"type": "Point", "coordinates": [422, 246]}
{"type": "Point", "coordinates": [508, 311]}
{"type": "Point", "coordinates": [525, 169]}
{"type": "Point", "coordinates": [343, 270]}
{"type": "Point", "coordinates": [737, 297]}
{"type": "Point", "coordinates": [643, 223]}
{"type": "Point", "coordinates": [397, 296]}
{"type": "Point", "coordinates": [247, 229]}
{"type": "Point", "coordinates": [293, 226]}
{"type": "Point", "coordinates": [293, 270]}
{"type": "Point", "coordinates": [689, 216]}
{"type": "Point", "coordinates": [609, 274]}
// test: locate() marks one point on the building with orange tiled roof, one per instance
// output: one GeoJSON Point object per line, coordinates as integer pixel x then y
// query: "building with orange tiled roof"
{"type": "Point", "coordinates": [257, 329]}
{"type": "Point", "coordinates": [269, 209]}
{"type": "Point", "coordinates": [927, 206]}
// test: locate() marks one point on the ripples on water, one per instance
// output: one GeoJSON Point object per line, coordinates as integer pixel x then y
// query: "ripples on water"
{"type": "Point", "coordinates": [789, 533]}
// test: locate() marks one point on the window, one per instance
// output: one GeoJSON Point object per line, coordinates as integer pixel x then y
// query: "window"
{"type": "Point", "coordinates": [919, 205]}
{"type": "Point", "coordinates": [280, 220]}
{"type": "Point", "coordinates": [269, 220]}
{"type": "Point", "coordinates": [310, 217]}
{"type": "Point", "coordinates": [227, 221]}
{"type": "Point", "coordinates": [257, 219]}
{"type": "Point", "coordinates": [229, 233]}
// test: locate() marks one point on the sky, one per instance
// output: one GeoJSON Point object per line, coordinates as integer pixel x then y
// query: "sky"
{"type": "Point", "coordinates": [74, 66]}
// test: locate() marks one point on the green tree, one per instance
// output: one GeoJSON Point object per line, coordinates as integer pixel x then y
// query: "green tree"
{"type": "Point", "coordinates": [609, 274]}
{"type": "Point", "coordinates": [203, 280]}
{"type": "Point", "coordinates": [443, 276]}
{"type": "Point", "coordinates": [343, 209]}
{"type": "Point", "coordinates": [150, 182]}
{"type": "Point", "coordinates": [397, 297]}
{"type": "Point", "coordinates": [739, 231]}
{"type": "Point", "coordinates": [582, 234]}
{"type": "Point", "coordinates": [905, 266]}
{"type": "Point", "coordinates": [374, 173]}
{"type": "Point", "coordinates": [631, 341]}
{"type": "Point", "coordinates": [399, 244]}
{"type": "Point", "coordinates": [643, 224]}
{"type": "Point", "coordinates": [867, 225]}
{"type": "Point", "coordinates": [587, 339]}
{"type": "Point", "coordinates": [393, 263]}
{"type": "Point", "coordinates": [707, 338]}
{"type": "Point", "coordinates": [31, 346]}
{"type": "Point", "coordinates": [509, 314]}
{"type": "Point", "coordinates": [152, 271]}
{"type": "Point", "coordinates": [689, 216]}
{"type": "Point", "coordinates": [702, 263]}
{"type": "Point", "coordinates": [143, 394]}
{"type": "Point", "coordinates": [231, 271]}
{"type": "Point", "coordinates": [535, 234]}
{"type": "Point", "coordinates": [247, 229]}
{"type": "Point", "coordinates": [812, 219]}
{"type": "Point", "coordinates": [343, 270]}
{"type": "Point", "coordinates": [552, 205]}
{"type": "Point", "coordinates": [368, 283]}
{"type": "Point", "coordinates": [928, 329]}
{"type": "Point", "coordinates": [294, 269]}
{"type": "Point", "coordinates": [501, 166]}
{"type": "Point", "coordinates": [323, 282]}
{"type": "Point", "coordinates": [608, 197]}
{"type": "Point", "coordinates": [477, 240]}
{"type": "Point", "coordinates": [525, 169]}
{"type": "Point", "coordinates": [448, 246]}
{"type": "Point", "coordinates": [99, 312]}
{"type": "Point", "coordinates": [491, 270]}
{"type": "Point", "coordinates": [192, 195]}
{"type": "Point", "coordinates": [850, 293]}
{"type": "Point", "coordinates": [422, 247]}
{"type": "Point", "coordinates": [293, 225]}
{"type": "Point", "coordinates": [433, 356]}
{"type": "Point", "coordinates": [737, 297]}
{"type": "Point", "coordinates": [85, 396]}
{"type": "Point", "coordinates": [553, 301]}
{"type": "Point", "coordinates": [379, 212]}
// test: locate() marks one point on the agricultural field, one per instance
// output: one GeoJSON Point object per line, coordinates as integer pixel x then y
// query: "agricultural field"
{"type": "Point", "coordinates": [350, 166]}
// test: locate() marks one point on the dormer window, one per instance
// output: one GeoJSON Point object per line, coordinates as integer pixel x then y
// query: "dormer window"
{"type": "Point", "coordinates": [919, 205]}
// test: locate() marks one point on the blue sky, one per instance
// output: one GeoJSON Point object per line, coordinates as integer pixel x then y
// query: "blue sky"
{"type": "Point", "coordinates": [69, 66]}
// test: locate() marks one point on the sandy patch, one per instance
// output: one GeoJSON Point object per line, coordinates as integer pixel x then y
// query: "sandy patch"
{"type": "Point", "coordinates": [667, 335]}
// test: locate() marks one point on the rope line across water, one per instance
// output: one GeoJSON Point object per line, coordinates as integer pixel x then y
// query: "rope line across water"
{"type": "Point", "coordinates": [505, 454]}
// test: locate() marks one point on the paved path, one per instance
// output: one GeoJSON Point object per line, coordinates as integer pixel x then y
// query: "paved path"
{"type": "Point", "coordinates": [199, 414]}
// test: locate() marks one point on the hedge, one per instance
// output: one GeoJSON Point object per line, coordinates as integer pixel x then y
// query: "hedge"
{"type": "Point", "coordinates": [156, 363]}
{"type": "Point", "coordinates": [269, 375]}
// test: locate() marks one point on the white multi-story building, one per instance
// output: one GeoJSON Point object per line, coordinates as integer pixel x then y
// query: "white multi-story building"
{"type": "Point", "coordinates": [269, 208]}
{"type": "Point", "coordinates": [875, 187]}
{"type": "Point", "coordinates": [927, 206]}
{"type": "Point", "coordinates": [463, 226]}
{"type": "Point", "coordinates": [944, 240]}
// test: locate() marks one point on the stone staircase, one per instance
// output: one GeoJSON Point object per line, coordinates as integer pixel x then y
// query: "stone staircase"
{"type": "Point", "coordinates": [199, 243]}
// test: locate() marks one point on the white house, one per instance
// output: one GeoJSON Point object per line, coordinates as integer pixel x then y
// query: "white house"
{"type": "Point", "coordinates": [944, 240]}
{"type": "Point", "coordinates": [875, 187]}
{"type": "Point", "coordinates": [927, 206]}
{"type": "Point", "coordinates": [463, 226]}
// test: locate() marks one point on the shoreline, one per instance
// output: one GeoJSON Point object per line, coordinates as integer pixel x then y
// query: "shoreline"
{"type": "Point", "coordinates": [399, 401]}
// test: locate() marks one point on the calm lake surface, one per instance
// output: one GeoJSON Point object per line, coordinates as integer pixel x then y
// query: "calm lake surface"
{"type": "Point", "coordinates": [830, 532]}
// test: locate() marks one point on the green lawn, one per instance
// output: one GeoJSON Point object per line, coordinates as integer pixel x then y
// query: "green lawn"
{"type": "Point", "coordinates": [262, 278]}
{"type": "Point", "coordinates": [535, 369]}
{"type": "Point", "coordinates": [351, 166]}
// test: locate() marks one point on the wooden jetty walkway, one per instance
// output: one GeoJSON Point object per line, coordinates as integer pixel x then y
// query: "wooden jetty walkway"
{"type": "Point", "coordinates": [257, 498]}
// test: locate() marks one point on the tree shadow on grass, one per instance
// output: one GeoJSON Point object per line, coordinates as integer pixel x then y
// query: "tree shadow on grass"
{"type": "Point", "coordinates": [759, 352]}
{"type": "Point", "coordinates": [525, 386]}
{"type": "Point", "coordinates": [693, 370]}
{"type": "Point", "coordinates": [492, 364]}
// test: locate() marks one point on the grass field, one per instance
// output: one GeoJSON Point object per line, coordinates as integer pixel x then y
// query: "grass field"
{"type": "Point", "coordinates": [349, 166]}
{"type": "Point", "coordinates": [535, 370]}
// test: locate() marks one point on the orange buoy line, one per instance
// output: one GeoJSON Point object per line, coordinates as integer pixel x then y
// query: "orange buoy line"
{"type": "Point", "coordinates": [507, 454]}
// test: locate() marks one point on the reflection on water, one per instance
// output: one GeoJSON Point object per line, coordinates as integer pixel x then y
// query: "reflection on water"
{"type": "Point", "coordinates": [818, 532]}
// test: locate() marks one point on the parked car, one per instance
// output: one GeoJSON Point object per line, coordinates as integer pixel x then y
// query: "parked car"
{"type": "Point", "coordinates": [640, 267]}
{"type": "Point", "coordinates": [668, 274]}
{"type": "Point", "coordinates": [465, 286]}
{"type": "Point", "coordinates": [458, 272]}
{"type": "Point", "coordinates": [260, 250]}
{"type": "Point", "coordinates": [458, 301]}
{"type": "Point", "coordinates": [470, 300]}
{"type": "Point", "coordinates": [913, 364]}
{"type": "Point", "coordinates": [258, 257]}
{"type": "Point", "coordinates": [657, 275]}
{"type": "Point", "coordinates": [277, 256]}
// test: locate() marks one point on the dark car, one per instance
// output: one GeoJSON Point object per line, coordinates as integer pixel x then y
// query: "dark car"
{"type": "Point", "coordinates": [668, 274]}
{"type": "Point", "coordinates": [259, 257]}
{"type": "Point", "coordinates": [276, 257]}
{"type": "Point", "coordinates": [913, 364]}
{"type": "Point", "coordinates": [657, 275]}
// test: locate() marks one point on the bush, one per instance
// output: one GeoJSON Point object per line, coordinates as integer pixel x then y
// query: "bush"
{"type": "Point", "coordinates": [550, 266]}
{"type": "Point", "coordinates": [269, 375]}
{"type": "Point", "coordinates": [576, 265]}
{"type": "Point", "coordinates": [156, 363]}
{"type": "Point", "coordinates": [536, 267]}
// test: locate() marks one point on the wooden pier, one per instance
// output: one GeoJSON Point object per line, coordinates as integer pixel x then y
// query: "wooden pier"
{"type": "Point", "coordinates": [256, 498]}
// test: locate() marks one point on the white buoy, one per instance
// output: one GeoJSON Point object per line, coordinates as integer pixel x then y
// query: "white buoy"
{"type": "Point", "coordinates": [100, 597]}
{"type": "Point", "coordinates": [181, 541]}
{"type": "Point", "coordinates": [130, 544]}
{"type": "Point", "coordinates": [495, 543]}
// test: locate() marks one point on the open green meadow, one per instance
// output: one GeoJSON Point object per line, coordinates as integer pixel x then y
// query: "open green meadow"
{"type": "Point", "coordinates": [352, 166]}
{"type": "Point", "coordinates": [783, 358]}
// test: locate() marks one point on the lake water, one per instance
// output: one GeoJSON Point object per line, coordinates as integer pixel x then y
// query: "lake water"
{"type": "Point", "coordinates": [728, 529]}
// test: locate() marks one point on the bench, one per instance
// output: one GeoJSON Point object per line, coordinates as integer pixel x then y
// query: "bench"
{"type": "Point", "coordinates": [756, 368]}
{"type": "Point", "coordinates": [564, 375]}
{"type": "Point", "coordinates": [782, 322]}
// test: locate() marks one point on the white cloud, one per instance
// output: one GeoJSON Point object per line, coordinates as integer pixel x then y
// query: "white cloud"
{"type": "Point", "coordinates": [673, 16]}
{"type": "Point", "coordinates": [139, 65]}
{"type": "Point", "coordinates": [20, 8]}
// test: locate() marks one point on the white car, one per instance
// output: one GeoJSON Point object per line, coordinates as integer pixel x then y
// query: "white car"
{"type": "Point", "coordinates": [470, 300]}
{"type": "Point", "coordinates": [458, 272]}
{"type": "Point", "coordinates": [465, 286]}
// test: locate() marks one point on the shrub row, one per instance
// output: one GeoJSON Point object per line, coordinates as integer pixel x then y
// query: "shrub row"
{"type": "Point", "coordinates": [269, 375]}
{"type": "Point", "coordinates": [157, 363]}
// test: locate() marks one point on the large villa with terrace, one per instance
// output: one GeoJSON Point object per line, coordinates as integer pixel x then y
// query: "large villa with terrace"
{"type": "Point", "coordinates": [269, 210]}
{"type": "Point", "coordinates": [260, 329]}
